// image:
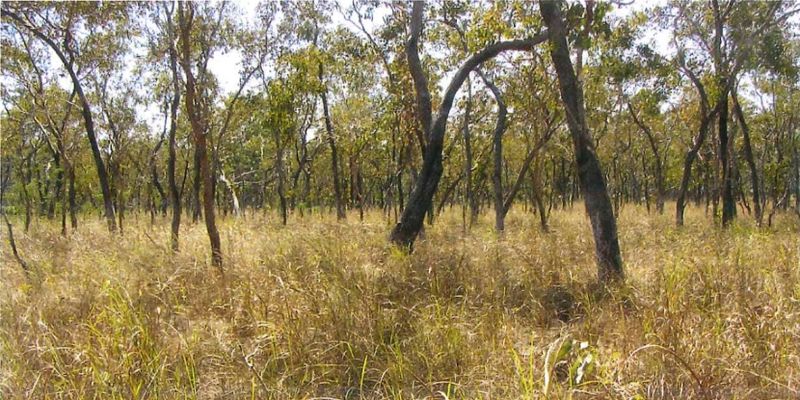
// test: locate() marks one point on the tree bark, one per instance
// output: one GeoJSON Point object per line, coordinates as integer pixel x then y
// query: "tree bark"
{"type": "Point", "coordinates": [424, 111]}
{"type": "Point", "coordinates": [279, 166]}
{"type": "Point", "coordinates": [25, 268]}
{"type": "Point", "coordinates": [196, 185]}
{"type": "Point", "coordinates": [73, 219]}
{"type": "Point", "coordinates": [592, 182]}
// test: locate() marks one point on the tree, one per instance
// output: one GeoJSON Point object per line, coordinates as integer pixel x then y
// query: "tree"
{"type": "Point", "coordinates": [197, 107]}
{"type": "Point", "coordinates": [731, 35]}
{"type": "Point", "coordinates": [174, 105]}
{"type": "Point", "coordinates": [103, 22]}
{"type": "Point", "coordinates": [592, 182]}
{"type": "Point", "coordinates": [420, 200]}
{"type": "Point", "coordinates": [657, 156]}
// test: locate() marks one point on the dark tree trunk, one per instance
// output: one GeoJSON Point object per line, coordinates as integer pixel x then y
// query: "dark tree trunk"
{"type": "Point", "coordinates": [25, 268]}
{"type": "Point", "coordinates": [160, 189]}
{"type": "Point", "coordinates": [281, 177]}
{"type": "Point", "coordinates": [723, 78]}
{"type": "Point", "coordinates": [196, 183]}
{"type": "Point", "coordinates": [728, 202]}
{"type": "Point", "coordinates": [472, 202]}
{"type": "Point", "coordinates": [26, 180]}
{"type": "Point", "coordinates": [500, 209]}
{"type": "Point", "coordinates": [73, 207]}
{"type": "Point", "coordinates": [59, 182]}
{"type": "Point", "coordinates": [748, 155]}
{"type": "Point", "coordinates": [337, 188]}
{"type": "Point", "coordinates": [64, 214]}
{"type": "Point", "coordinates": [707, 117]}
{"type": "Point", "coordinates": [419, 202]}
{"type": "Point", "coordinates": [592, 182]}
{"type": "Point", "coordinates": [536, 186]}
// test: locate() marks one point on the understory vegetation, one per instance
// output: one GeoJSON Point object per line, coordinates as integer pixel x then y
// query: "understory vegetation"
{"type": "Point", "coordinates": [327, 309]}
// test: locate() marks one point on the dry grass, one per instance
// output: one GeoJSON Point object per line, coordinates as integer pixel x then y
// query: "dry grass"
{"type": "Point", "coordinates": [327, 310]}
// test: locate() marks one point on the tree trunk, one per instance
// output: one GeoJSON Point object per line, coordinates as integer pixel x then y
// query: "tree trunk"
{"type": "Point", "coordinates": [728, 202]}
{"type": "Point", "coordinates": [659, 169]}
{"type": "Point", "coordinates": [419, 202]}
{"type": "Point", "coordinates": [281, 177]}
{"type": "Point", "coordinates": [536, 183]}
{"type": "Point", "coordinates": [25, 268]}
{"type": "Point", "coordinates": [592, 182]}
{"type": "Point", "coordinates": [175, 194]}
{"type": "Point", "coordinates": [59, 182]}
{"type": "Point", "coordinates": [64, 213]}
{"type": "Point", "coordinates": [198, 120]}
{"type": "Point", "coordinates": [500, 209]}
{"type": "Point", "coordinates": [196, 183]}
{"type": "Point", "coordinates": [748, 155]}
{"type": "Point", "coordinates": [471, 201]}
{"type": "Point", "coordinates": [707, 117]}
{"type": "Point", "coordinates": [337, 189]}
{"type": "Point", "coordinates": [73, 219]}
{"type": "Point", "coordinates": [723, 78]}
{"type": "Point", "coordinates": [234, 197]}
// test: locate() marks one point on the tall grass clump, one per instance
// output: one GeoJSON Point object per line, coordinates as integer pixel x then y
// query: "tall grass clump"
{"type": "Point", "coordinates": [320, 309]}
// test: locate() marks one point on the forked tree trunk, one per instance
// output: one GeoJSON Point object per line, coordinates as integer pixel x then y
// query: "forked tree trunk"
{"type": "Point", "coordinates": [707, 118]}
{"type": "Point", "coordinates": [420, 200]}
{"type": "Point", "coordinates": [723, 79]}
{"type": "Point", "coordinates": [592, 182]}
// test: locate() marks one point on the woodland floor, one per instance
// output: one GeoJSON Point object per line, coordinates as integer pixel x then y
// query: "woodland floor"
{"type": "Point", "coordinates": [319, 309]}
